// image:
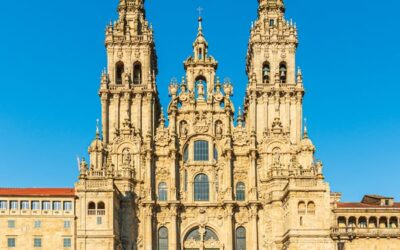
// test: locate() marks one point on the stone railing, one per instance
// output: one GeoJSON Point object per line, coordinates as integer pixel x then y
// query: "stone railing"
{"type": "Point", "coordinates": [93, 173]}
{"type": "Point", "coordinates": [350, 233]}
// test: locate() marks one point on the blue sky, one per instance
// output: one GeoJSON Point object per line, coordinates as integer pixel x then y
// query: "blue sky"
{"type": "Point", "coordinates": [52, 54]}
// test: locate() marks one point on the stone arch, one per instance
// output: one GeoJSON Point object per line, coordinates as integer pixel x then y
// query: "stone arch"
{"type": "Point", "coordinates": [393, 222]}
{"type": "Point", "coordinates": [266, 72]}
{"type": "Point", "coordinates": [383, 222]}
{"type": "Point", "coordinates": [352, 222]}
{"type": "Point", "coordinates": [302, 208]}
{"type": "Point", "coordinates": [283, 71]}
{"type": "Point", "coordinates": [373, 222]}
{"type": "Point", "coordinates": [137, 73]}
{"type": "Point", "coordinates": [119, 72]}
{"type": "Point", "coordinates": [362, 222]}
{"type": "Point", "coordinates": [199, 237]}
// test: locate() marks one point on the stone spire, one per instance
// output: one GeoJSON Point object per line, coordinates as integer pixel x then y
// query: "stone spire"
{"type": "Point", "coordinates": [130, 24]}
{"type": "Point", "coordinates": [200, 45]}
{"type": "Point", "coordinates": [271, 8]}
{"type": "Point", "coordinates": [200, 66]}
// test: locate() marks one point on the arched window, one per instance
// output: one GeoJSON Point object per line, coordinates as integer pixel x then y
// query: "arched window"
{"type": "Point", "coordinates": [352, 222]}
{"type": "Point", "coordinates": [201, 151]}
{"type": "Point", "coordinates": [266, 72]}
{"type": "Point", "coordinates": [92, 208]}
{"type": "Point", "coordinates": [240, 238]}
{"type": "Point", "coordinates": [210, 235]}
{"type": "Point", "coordinates": [186, 180]}
{"type": "Point", "coordinates": [163, 238]}
{"type": "Point", "coordinates": [342, 222]}
{"type": "Point", "coordinates": [373, 222]}
{"type": "Point", "coordinates": [204, 238]}
{"type": "Point", "coordinates": [186, 154]}
{"type": "Point", "coordinates": [383, 222]}
{"type": "Point", "coordinates": [137, 73]}
{"type": "Point", "coordinates": [162, 191]}
{"type": "Point", "coordinates": [201, 188]}
{"type": "Point", "coordinates": [194, 235]}
{"type": "Point", "coordinates": [101, 208]}
{"type": "Point", "coordinates": [215, 153]}
{"type": "Point", "coordinates": [311, 208]}
{"type": "Point", "coordinates": [302, 208]}
{"type": "Point", "coordinates": [119, 71]}
{"type": "Point", "coordinates": [393, 223]}
{"type": "Point", "coordinates": [362, 222]}
{"type": "Point", "coordinates": [283, 72]}
{"type": "Point", "coordinates": [240, 191]}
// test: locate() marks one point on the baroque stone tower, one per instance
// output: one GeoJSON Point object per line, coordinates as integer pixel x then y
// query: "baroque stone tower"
{"type": "Point", "coordinates": [121, 171]}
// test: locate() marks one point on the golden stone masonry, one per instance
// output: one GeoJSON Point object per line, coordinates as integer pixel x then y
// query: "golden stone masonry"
{"type": "Point", "coordinates": [202, 182]}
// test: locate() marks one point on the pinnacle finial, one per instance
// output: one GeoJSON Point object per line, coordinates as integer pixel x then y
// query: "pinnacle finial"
{"type": "Point", "coordinates": [305, 129]}
{"type": "Point", "coordinates": [97, 129]}
{"type": "Point", "coordinates": [200, 19]}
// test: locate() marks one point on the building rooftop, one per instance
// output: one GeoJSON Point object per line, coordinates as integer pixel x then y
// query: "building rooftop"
{"type": "Point", "coordinates": [364, 205]}
{"type": "Point", "coordinates": [38, 192]}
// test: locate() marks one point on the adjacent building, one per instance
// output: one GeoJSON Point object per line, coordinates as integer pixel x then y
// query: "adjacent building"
{"type": "Point", "coordinates": [191, 176]}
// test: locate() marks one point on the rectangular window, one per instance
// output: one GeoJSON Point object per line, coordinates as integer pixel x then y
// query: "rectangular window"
{"type": "Point", "coordinates": [35, 205]}
{"type": "Point", "coordinates": [67, 242]}
{"type": "Point", "coordinates": [11, 224]}
{"type": "Point", "coordinates": [56, 205]}
{"type": "Point", "coordinates": [3, 205]}
{"type": "Point", "coordinates": [46, 205]}
{"type": "Point", "coordinates": [37, 242]}
{"type": "Point", "coordinates": [67, 205]}
{"type": "Point", "coordinates": [201, 151]}
{"type": "Point", "coordinates": [38, 224]}
{"type": "Point", "coordinates": [14, 205]}
{"type": "Point", "coordinates": [341, 246]}
{"type": "Point", "coordinates": [67, 224]}
{"type": "Point", "coordinates": [271, 22]}
{"type": "Point", "coordinates": [99, 221]}
{"type": "Point", "coordinates": [11, 242]}
{"type": "Point", "coordinates": [24, 205]}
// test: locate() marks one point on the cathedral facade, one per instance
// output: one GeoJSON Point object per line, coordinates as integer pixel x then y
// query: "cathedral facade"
{"type": "Point", "coordinates": [191, 177]}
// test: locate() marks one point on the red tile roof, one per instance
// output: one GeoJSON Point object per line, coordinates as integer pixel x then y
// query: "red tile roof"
{"type": "Point", "coordinates": [38, 192]}
{"type": "Point", "coordinates": [363, 205]}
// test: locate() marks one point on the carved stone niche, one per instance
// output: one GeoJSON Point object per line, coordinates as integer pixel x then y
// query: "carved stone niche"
{"type": "Point", "coordinates": [219, 130]}
{"type": "Point", "coordinates": [183, 130]}
{"type": "Point", "coordinates": [124, 155]}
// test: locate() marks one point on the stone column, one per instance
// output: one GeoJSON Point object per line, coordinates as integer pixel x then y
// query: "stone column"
{"type": "Point", "coordinates": [174, 229]}
{"type": "Point", "coordinates": [104, 116]}
{"type": "Point", "coordinates": [148, 228]}
{"type": "Point", "coordinates": [254, 229]}
{"type": "Point", "coordinates": [253, 176]}
{"type": "Point", "coordinates": [229, 227]}
{"type": "Point", "coordinates": [173, 189]}
{"type": "Point", "coordinates": [228, 176]}
{"type": "Point", "coordinates": [299, 116]}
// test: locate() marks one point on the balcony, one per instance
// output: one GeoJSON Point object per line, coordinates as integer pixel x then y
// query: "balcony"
{"type": "Point", "coordinates": [348, 233]}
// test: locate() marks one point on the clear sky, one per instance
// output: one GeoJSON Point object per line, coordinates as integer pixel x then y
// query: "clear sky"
{"type": "Point", "coordinates": [52, 54]}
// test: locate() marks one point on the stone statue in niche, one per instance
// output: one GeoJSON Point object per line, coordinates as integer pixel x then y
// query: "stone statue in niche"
{"type": "Point", "coordinates": [200, 90]}
{"type": "Point", "coordinates": [184, 130]}
{"type": "Point", "coordinates": [126, 157]}
{"type": "Point", "coordinates": [218, 130]}
{"type": "Point", "coordinates": [276, 156]}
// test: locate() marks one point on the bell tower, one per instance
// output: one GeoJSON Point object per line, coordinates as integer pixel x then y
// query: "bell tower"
{"type": "Point", "coordinates": [128, 89]}
{"type": "Point", "coordinates": [275, 91]}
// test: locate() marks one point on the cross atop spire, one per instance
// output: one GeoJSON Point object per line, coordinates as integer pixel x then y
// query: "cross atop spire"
{"type": "Point", "coordinates": [200, 10]}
